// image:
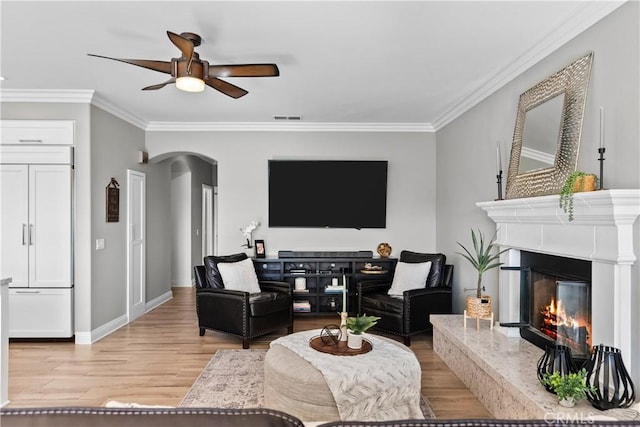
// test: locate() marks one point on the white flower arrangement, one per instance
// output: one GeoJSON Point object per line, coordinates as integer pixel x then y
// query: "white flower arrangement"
{"type": "Point", "coordinates": [247, 232]}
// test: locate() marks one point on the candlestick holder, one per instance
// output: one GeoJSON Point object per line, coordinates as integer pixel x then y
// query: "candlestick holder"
{"type": "Point", "coordinates": [343, 325]}
{"type": "Point", "coordinates": [601, 150]}
{"type": "Point", "coordinates": [499, 181]}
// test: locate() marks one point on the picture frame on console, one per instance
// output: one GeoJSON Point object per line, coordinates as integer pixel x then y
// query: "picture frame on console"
{"type": "Point", "coordinates": [260, 249]}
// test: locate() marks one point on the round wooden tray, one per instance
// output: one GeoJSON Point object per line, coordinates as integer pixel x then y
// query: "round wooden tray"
{"type": "Point", "coordinates": [341, 348]}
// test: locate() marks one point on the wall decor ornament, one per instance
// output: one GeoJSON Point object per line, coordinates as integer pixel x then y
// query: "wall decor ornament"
{"type": "Point", "coordinates": [568, 87]}
{"type": "Point", "coordinates": [113, 201]}
{"type": "Point", "coordinates": [608, 376]}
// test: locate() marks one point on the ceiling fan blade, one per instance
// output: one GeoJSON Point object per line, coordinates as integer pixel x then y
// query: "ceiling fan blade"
{"type": "Point", "coordinates": [185, 45]}
{"type": "Point", "coordinates": [161, 66]}
{"type": "Point", "coordinates": [244, 70]}
{"type": "Point", "coordinates": [225, 87]}
{"type": "Point", "coordinates": [160, 85]}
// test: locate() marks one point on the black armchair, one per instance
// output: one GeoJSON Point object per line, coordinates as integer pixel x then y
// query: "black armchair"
{"type": "Point", "coordinates": [409, 315]}
{"type": "Point", "coordinates": [240, 313]}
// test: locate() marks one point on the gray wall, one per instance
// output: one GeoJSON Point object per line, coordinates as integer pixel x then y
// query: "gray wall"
{"type": "Point", "coordinates": [467, 145]}
{"type": "Point", "coordinates": [242, 185]}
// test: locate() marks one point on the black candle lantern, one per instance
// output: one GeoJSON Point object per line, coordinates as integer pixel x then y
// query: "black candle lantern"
{"type": "Point", "coordinates": [556, 358]}
{"type": "Point", "coordinates": [607, 374]}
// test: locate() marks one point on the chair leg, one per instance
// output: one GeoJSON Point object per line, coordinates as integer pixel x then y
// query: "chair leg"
{"type": "Point", "coordinates": [201, 332]}
{"type": "Point", "coordinates": [245, 343]}
{"type": "Point", "coordinates": [407, 341]}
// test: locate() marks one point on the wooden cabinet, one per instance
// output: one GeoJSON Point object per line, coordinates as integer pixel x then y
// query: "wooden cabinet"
{"type": "Point", "coordinates": [317, 274]}
{"type": "Point", "coordinates": [37, 232]}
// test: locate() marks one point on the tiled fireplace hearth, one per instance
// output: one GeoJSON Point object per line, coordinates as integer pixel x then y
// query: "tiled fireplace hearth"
{"type": "Point", "coordinates": [500, 369]}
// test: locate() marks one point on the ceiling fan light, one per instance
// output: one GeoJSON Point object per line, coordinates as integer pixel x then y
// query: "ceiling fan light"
{"type": "Point", "coordinates": [190, 84]}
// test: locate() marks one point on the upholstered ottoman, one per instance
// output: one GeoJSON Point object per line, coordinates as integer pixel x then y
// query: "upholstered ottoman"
{"type": "Point", "coordinates": [303, 382]}
{"type": "Point", "coordinates": [292, 385]}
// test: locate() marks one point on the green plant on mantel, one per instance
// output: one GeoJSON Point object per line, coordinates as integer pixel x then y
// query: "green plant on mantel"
{"type": "Point", "coordinates": [484, 258]}
{"type": "Point", "coordinates": [569, 188]}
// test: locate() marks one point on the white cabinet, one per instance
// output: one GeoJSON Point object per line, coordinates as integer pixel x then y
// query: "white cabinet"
{"type": "Point", "coordinates": [40, 313]}
{"type": "Point", "coordinates": [36, 225]}
{"type": "Point", "coordinates": [36, 234]}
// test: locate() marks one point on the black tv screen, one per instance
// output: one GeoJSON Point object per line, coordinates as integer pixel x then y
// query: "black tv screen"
{"type": "Point", "coordinates": [328, 193]}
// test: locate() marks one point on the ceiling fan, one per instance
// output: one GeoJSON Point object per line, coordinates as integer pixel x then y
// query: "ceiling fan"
{"type": "Point", "coordinates": [191, 74]}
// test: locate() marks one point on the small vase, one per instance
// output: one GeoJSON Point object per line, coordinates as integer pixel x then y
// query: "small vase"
{"type": "Point", "coordinates": [567, 402]}
{"type": "Point", "coordinates": [354, 341]}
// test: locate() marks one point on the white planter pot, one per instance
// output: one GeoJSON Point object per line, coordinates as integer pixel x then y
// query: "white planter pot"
{"type": "Point", "coordinates": [354, 341]}
{"type": "Point", "coordinates": [568, 402]}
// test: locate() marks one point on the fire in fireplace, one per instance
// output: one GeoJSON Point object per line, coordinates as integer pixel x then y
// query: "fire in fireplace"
{"type": "Point", "coordinates": [557, 303]}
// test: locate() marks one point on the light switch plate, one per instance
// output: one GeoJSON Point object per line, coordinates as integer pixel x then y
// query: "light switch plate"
{"type": "Point", "coordinates": [99, 244]}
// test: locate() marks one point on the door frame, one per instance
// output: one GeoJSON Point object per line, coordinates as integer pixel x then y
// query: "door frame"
{"type": "Point", "coordinates": [133, 311]}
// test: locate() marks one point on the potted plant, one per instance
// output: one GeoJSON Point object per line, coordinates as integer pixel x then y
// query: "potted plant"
{"type": "Point", "coordinates": [569, 388]}
{"type": "Point", "coordinates": [356, 326]}
{"type": "Point", "coordinates": [483, 258]}
{"type": "Point", "coordinates": [576, 182]}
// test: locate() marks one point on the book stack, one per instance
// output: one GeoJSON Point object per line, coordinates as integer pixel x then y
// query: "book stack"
{"type": "Point", "coordinates": [302, 306]}
{"type": "Point", "coordinates": [331, 289]}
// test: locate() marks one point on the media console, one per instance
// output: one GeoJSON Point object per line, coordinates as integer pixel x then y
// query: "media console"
{"type": "Point", "coordinates": [325, 254]}
{"type": "Point", "coordinates": [310, 275]}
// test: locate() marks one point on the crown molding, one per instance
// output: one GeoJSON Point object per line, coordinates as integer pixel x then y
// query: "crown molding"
{"type": "Point", "coordinates": [48, 95]}
{"type": "Point", "coordinates": [574, 25]}
{"type": "Point", "coordinates": [287, 127]}
{"type": "Point", "coordinates": [121, 113]}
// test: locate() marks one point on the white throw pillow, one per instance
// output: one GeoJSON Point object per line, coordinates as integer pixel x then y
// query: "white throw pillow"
{"type": "Point", "coordinates": [409, 275]}
{"type": "Point", "coordinates": [239, 276]}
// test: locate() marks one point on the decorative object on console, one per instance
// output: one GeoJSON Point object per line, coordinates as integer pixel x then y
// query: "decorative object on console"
{"type": "Point", "coordinates": [569, 387]}
{"type": "Point", "coordinates": [261, 252]}
{"type": "Point", "coordinates": [612, 385]}
{"type": "Point", "coordinates": [384, 250]}
{"type": "Point", "coordinates": [576, 182]}
{"type": "Point", "coordinates": [561, 95]}
{"type": "Point", "coordinates": [556, 358]}
{"type": "Point", "coordinates": [356, 326]}
{"type": "Point", "coordinates": [483, 259]}
{"type": "Point", "coordinates": [247, 232]}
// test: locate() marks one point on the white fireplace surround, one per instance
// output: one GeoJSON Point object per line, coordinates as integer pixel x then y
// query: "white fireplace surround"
{"type": "Point", "coordinates": [601, 232]}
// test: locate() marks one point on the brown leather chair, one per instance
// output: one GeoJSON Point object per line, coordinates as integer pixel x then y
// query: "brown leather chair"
{"type": "Point", "coordinates": [240, 313]}
{"type": "Point", "coordinates": [409, 315]}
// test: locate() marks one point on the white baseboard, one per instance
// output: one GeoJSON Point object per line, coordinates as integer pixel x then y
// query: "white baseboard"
{"type": "Point", "coordinates": [157, 302]}
{"type": "Point", "coordinates": [115, 324]}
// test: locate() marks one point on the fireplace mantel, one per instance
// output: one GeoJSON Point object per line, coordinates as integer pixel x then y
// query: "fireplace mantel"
{"type": "Point", "coordinates": [601, 232]}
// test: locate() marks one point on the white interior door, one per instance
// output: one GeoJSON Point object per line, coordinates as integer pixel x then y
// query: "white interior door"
{"type": "Point", "coordinates": [207, 220]}
{"type": "Point", "coordinates": [136, 247]}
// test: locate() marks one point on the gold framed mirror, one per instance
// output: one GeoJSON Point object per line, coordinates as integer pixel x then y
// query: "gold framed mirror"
{"type": "Point", "coordinates": [546, 138]}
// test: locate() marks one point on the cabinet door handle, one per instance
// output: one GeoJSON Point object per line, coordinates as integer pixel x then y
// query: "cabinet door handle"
{"type": "Point", "coordinates": [30, 141]}
{"type": "Point", "coordinates": [24, 231]}
{"type": "Point", "coordinates": [28, 292]}
{"type": "Point", "coordinates": [30, 234]}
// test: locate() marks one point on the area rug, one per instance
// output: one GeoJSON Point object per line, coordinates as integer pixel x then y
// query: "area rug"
{"type": "Point", "coordinates": [235, 379]}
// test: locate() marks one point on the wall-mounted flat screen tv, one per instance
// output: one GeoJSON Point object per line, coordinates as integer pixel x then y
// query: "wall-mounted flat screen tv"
{"type": "Point", "coordinates": [328, 193]}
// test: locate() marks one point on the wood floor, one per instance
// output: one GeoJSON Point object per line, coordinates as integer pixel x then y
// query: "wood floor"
{"type": "Point", "coordinates": [155, 360]}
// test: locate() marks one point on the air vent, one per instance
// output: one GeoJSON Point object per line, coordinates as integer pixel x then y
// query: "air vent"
{"type": "Point", "coordinates": [292, 118]}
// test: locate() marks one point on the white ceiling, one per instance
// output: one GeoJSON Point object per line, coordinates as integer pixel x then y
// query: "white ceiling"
{"type": "Point", "coordinates": [358, 64]}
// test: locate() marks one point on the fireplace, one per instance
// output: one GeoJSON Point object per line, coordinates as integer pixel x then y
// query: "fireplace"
{"type": "Point", "coordinates": [556, 302]}
{"type": "Point", "coordinates": [604, 233]}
